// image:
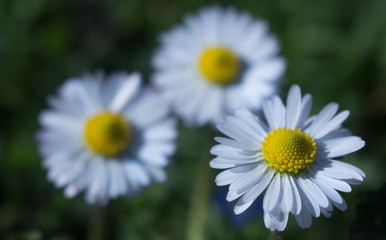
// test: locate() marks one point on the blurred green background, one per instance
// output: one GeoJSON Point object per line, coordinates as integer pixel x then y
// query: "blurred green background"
{"type": "Point", "coordinates": [336, 50]}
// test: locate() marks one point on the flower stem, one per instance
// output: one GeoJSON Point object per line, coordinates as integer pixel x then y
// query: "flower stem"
{"type": "Point", "coordinates": [96, 231]}
{"type": "Point", "coordinates": [275, 235]}
{"type": "Point", "coordinates": [200, 196]}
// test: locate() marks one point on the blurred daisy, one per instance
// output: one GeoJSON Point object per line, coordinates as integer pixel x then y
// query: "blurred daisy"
{"type": "Point", "coordinates": [216, 61]}
{"type": "Point", "coordinates": [106, 136]}
{"type": "Point", "coordinates": [292, 158]}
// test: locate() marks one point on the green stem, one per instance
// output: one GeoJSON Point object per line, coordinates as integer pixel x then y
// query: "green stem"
{"type": "Point", "coordinates": [275, 235]}
{"type": "Point", "coordinates": [96, 230]}
{"type": "Point", "coordinates": [200, 197]}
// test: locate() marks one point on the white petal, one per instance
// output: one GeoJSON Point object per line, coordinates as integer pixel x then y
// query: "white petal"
{"type": "Point", "coordinates": [341, 206]}
{"type": "Point", "coordinates": [273, 194]}
{"type": "Point", "coordinates": [78, 185]}
{"type": "Point", "coordinates": [52, 142]}
{"type": "Point", "coordinates": [98, 182]}
{"type": "Point", "coordinates": [211, 110]}
{"type": "Point", "coordinates": [126, 92]}
{"type": "Point", "coordinates": [327, 212]}
{"type": "Point", "coordinates": [215, 106]}
{"type": "Point", "coordinates": [76, 93]}
{"type": "Point", "coordinates": [254, 34]}
{"type": "Point", "coordinates": [332, 124]}
{"type": "Point", "coordinates": [233, 194]}
{"type": "Point", "coordinates": [274, 112]}
{"type": "Point", "coordinates": [253, 122]}
{"type": "Point", "coordinates": [158, 174]}
{"type": "Point", "coordinates": [228, 176]}
{"type": "Point", "coordinates": [347, 166]}
{"type": "Point", "coordinates": [241, 206]}
{"type": "Point", "coordinates": [313, 190]}
{"type": "Point", "coordinates": [118, 183]}
{"type": "Point", "coordinates": [275, 221]}
{"type": "Point", "coordinates": [253, 175]}
{"type": "Point", "coordinates": [146, 110]}
{"type": "Point", "coordinates": [343, 146]}
{"type": "Point", "coordinates": [254, 192]}
{"type": "Point", "coordinates": [60, 122]}
{"type": "Point", "coordinates": [339, 170]}
{"type": "Point", "coordinates": [304, 218]}
{"type": "Point", "coordinates": [268, 70]}
{"type": "Point", "coordinates": [77, 168]}
{"type": "Point", "coordinates": [297, 202]}
{"type": "Point", "coordinates": [310, 204]}
{"type": "Point", "coordinates": [328, 190]}
{"type": "Point", "coordinates": [287, 199]}
{"type": "Point", "coordinates": [221, 163]}
{"type": "Point", "coordinates": [293, 106]}
{"type": "Point", "coordinates": [233, 99]}
{"type": "Point", "coordinates": [161, 132]}
{"type": "Point", "coordinates": [237, 130]}
{"type": "Point", "coordinates": [236, 144]}
{"type": "Point", "coordinates": [280, 111]}
{"type": "Point", "coordinates": [322, 119]}
{"type": "Point", "coordinates": [149, 154]}
{"type": "Point", "coordinates": [136, 175]}
{"type": "Point", "coordinates": [237, 155]}
{"type": "Point", "coordinates": [267, 47]}
{"type": "Point", "coordinates": [334, 183]}
{"type": "Point", "coordinates": [338, 133]}
{"type": "Point", "coordinates": [305, 110]}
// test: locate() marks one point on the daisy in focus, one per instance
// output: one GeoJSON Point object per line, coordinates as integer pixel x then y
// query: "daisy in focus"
{"type": "Point", "coordinates": [105, 136]}
{"type": "Point", "coordinates": [218, 60]}
{"type": "Point", "coordinates": [291, 158]}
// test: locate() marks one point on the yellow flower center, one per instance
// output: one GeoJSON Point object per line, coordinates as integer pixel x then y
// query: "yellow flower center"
{"type": "Point", "coordinates": [107, 133]}
{"type": "Point", "coordinates": [219, 65]}
{"type": "Point", "coordinates": [289, 150]}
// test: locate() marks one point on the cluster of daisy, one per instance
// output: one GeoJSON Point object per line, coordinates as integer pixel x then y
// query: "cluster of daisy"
{"type": "Point", "coordinates": [108, 136]}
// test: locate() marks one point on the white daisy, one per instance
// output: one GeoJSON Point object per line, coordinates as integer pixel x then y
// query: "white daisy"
{"type": "Point", "coordinates": [216, 61]}
{"type": "Point", "coordinates": [105, 136]}
{"type": "Point", "coordinates": [292, 158]}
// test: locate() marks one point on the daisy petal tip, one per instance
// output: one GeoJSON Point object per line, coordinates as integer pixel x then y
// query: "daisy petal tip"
{"type": "Point", "coordinates": [362, 144]}
{"type": "Point", "coordinates": [218, 139]}
{"type": "Point", "coordinates": [295, 88]}
{"type": "Point", "coordinates": [70, 192]}
{"type": "Point", "coordinates": [305, 225]}
{"type": "Point", "coordinates": [229, 197]}
{"type": "Point", "coordinates": [212, 164]}
{"type": "Point", "coordinates": [237, 210]}
{"type": "Point", "coordinates": [346, 113]}
{"type": "Point", "coordinates": [334, 105]}
{"type": "Point", "coordinates": [135, 76]}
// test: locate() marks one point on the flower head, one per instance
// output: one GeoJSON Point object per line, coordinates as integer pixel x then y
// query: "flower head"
{"type": "Point", "coordinates": [291, 158]}
{"type": "Point", "coordinates": [105, 136]}
{"type": "Point", "coordinates": [218, 60]}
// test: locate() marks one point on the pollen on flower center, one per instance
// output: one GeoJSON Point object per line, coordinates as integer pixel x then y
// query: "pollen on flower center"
{"type": "Point", "coordinates": [289, 150]}
{"type": "Point", "coordinates": [219, 65]}
{"type": "Point", "coordinates": [107, 133]}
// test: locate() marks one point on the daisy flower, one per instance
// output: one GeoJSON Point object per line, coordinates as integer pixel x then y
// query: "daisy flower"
{"type": "Point", "coordinates": [105, 136]}
{"type": "Point", "coordinates": [218, 60]}
{"type": "Point", "coordinates": [292, 158]}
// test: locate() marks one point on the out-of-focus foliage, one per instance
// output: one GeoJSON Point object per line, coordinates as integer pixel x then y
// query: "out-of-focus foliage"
{"type": "Point", "coordinates": [370, 222]}
{"type": "Point", "coordinates": [335, 50]}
